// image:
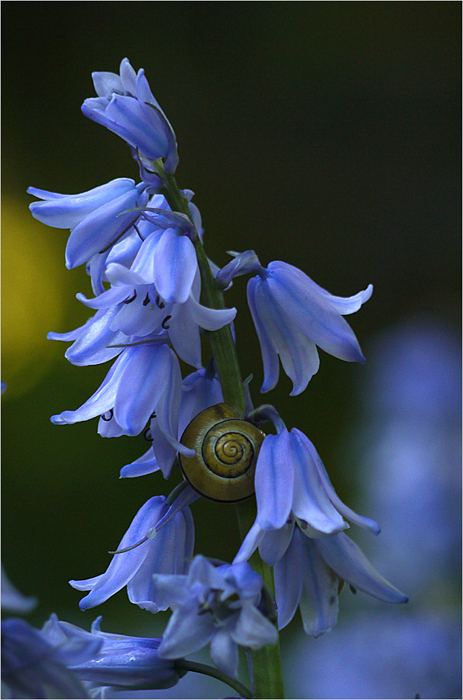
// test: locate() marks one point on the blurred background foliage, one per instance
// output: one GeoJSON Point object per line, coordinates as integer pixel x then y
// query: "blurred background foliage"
{"type": "Point", "coordinates": [325, 134]}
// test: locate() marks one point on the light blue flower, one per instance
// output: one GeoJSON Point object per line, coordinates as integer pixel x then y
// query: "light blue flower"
{"type": "Point", "coordinates": [216, 606]}
{"type": "Point", "coordinates": [143, 379]}
{"type": "Point", "coordinates": [291, 480]}
{"type": "Point", "coordinates": [163, 551]}
{"type": "Point", "coordinates": [97, 218]}
{"type": "Point", "coordinates": [120, 663]}
{"type": "Point", "coordinates": [293, 315]}
{"type": "Point", "coordinates": [200, 390]}
{"type": "Point", "coordinates": [138, 309]}
{"type": "Point", "coordinates": [309, 572]}
{"type": "Point", "coordinates": [12, 600]}
{"type": "Point", "coordinates": [310, 575]}
{"type": "Point", "coordinates": [32, 667]}
{"type": "Point", "coordinates": [126, 106]}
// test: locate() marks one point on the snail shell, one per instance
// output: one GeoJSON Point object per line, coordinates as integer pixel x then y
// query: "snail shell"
{"type": "Point", "coordinates": [226, 450]}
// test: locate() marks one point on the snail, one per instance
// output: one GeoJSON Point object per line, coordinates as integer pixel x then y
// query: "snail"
{"type": "Point", "coordinates": [226, 448]}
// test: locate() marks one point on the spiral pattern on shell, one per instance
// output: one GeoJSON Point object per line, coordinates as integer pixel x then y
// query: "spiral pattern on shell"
{"type": "Point", "coordinates": [226, 449]}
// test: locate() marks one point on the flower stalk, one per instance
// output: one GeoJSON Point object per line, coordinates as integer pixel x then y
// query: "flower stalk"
{"type": "Point", "coordinates": [266, 662]}
{"type": "Point", "coordinates": [206, 670]}
{"type": "Point", "coordinates": [223, 347]}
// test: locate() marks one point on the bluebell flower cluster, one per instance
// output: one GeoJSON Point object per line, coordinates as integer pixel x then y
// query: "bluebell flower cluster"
{"type": "Point", "coordinates": [154, 289]}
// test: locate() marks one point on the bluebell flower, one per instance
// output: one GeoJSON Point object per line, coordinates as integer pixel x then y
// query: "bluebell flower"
{"type": "Point", "coordinates": [143, 379]}
{"type": "Point", "coordinates": [126, 106]}
{"type": "Point", "coordinates": [216, 606]}
{"type": "Point", "coordinates": [142, 310]}
{"type": "Point", "coordinates": [164, 550]}
{"type": "Point", "coordinates": [200, 390]}
{"type": "Point", "coordinates": [97, 218]}
{"type": "Point", "coordinates": [120, 663]}
{"type": "Point", "coordinates": [291, 479]}
{"type": "Point", "coordinates": [32, 667]}
{"type": "Point", "coordinates": [309, 572]}
{"type": "Point", "coordinates": [293, 315]}
{"type": "Point", "coordinates": [310, 575]}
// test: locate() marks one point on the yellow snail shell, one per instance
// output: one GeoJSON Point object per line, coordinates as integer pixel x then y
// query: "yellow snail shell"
{"type": "Point", "coordinates": [226, 450]}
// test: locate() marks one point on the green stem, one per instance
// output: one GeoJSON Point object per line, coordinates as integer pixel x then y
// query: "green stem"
{"type": "Point", "coordinates": [267, 673]}
{"type": "Point", "coordinates": [186, 665]}
{"type": "Point", "coordinates": [266, 662]}
{"type": "Point", "coordinates": [222, 345]}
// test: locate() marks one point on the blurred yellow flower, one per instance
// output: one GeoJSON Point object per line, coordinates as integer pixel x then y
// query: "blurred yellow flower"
{"type": "Point", "coordinates": [34, 293]}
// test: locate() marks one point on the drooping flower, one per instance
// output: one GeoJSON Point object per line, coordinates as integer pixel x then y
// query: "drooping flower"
{"type": "Point", "coordinates": [126, 106]}
{"type": "Point", "coordinates": [143, 379]}
{"type": "Point", "coordinates": [291, 481]}
{"type": "Point", "coordinates": [293, 315]}
{"type": "Point", "coordinates": [200, 390]}
{"type": "Point", "coordinates": [162, 550]}
{"type": "Point", "coordinates": [120, 663]}
{"type": "Point", "coordinates": [310, 575]}
{"type": "Point", "coordinates": [97, 218]}
{"type": "Point", "coordinates": [142, 310]}
{"type": "Point", "coordinates": [216, 606]}
{"type": "Point", "coordinates": [309, 572]}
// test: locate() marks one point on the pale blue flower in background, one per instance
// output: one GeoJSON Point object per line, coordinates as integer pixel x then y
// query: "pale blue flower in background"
{"type": "Point", "coordinates": [97, 218]}
{"type": "Point", "coordinates": [379, 656]}
{"type": "Point", "coordinates": [216, 606]}
{"type": "Point", "coordinates": [126, 106]}
{"type": "Point", "coordinates": [12, 600]}
{"type": "Point", "coordinates": [166, 551]}
{"type": "Point", "coordinates": [410, 430]}
{"type": "Point", "coordinates": [293, 315]}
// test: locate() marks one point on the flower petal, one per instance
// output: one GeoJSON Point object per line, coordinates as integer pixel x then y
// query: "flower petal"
{"type": "Point", "coordinates": [350, 563]}
{"type": "Point", "coordinates": [269, 354]}
{"type": "Point", "coordinates": [123, 566]}
{"type": "Point", "coordinates": [103, 226]}
{"type": "Point", "coordinates": [311, 503]}
{"type": "Point", "coordinates": [346, 512]}
{"type": "Point", "coordinates": [146, 464]}
{"type": "Point", "coordinates": [317, 318]}
{"type": "Point", "coordinates": [275, 543]}
{"type": "Point", "coordinates": [224, 653]}
{"type": "Point", "coordinates": [288, 573]}
{"type": "Point", "coordinates": [319, 597]}
{"type": "Point", "coordinates": [274, 481]}
{"type": "Point", "coordinates": [186, 632]}
{"type": "Point", "coordinates": [167, 555]}
{"type": "Point", "coordinates": [253, 630]}
{"type": "Point", "coordinates": [68, 210]}
{"type": "Point", "coordinates": [102, 400]}
{"type": "Point", "coordinates": [174, 266]}
{"type": "Point", "coordinates": [144, 383]}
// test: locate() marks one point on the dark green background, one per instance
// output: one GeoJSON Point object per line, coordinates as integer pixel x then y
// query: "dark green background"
{"type": "Point", "coordinates": [325, 134]}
